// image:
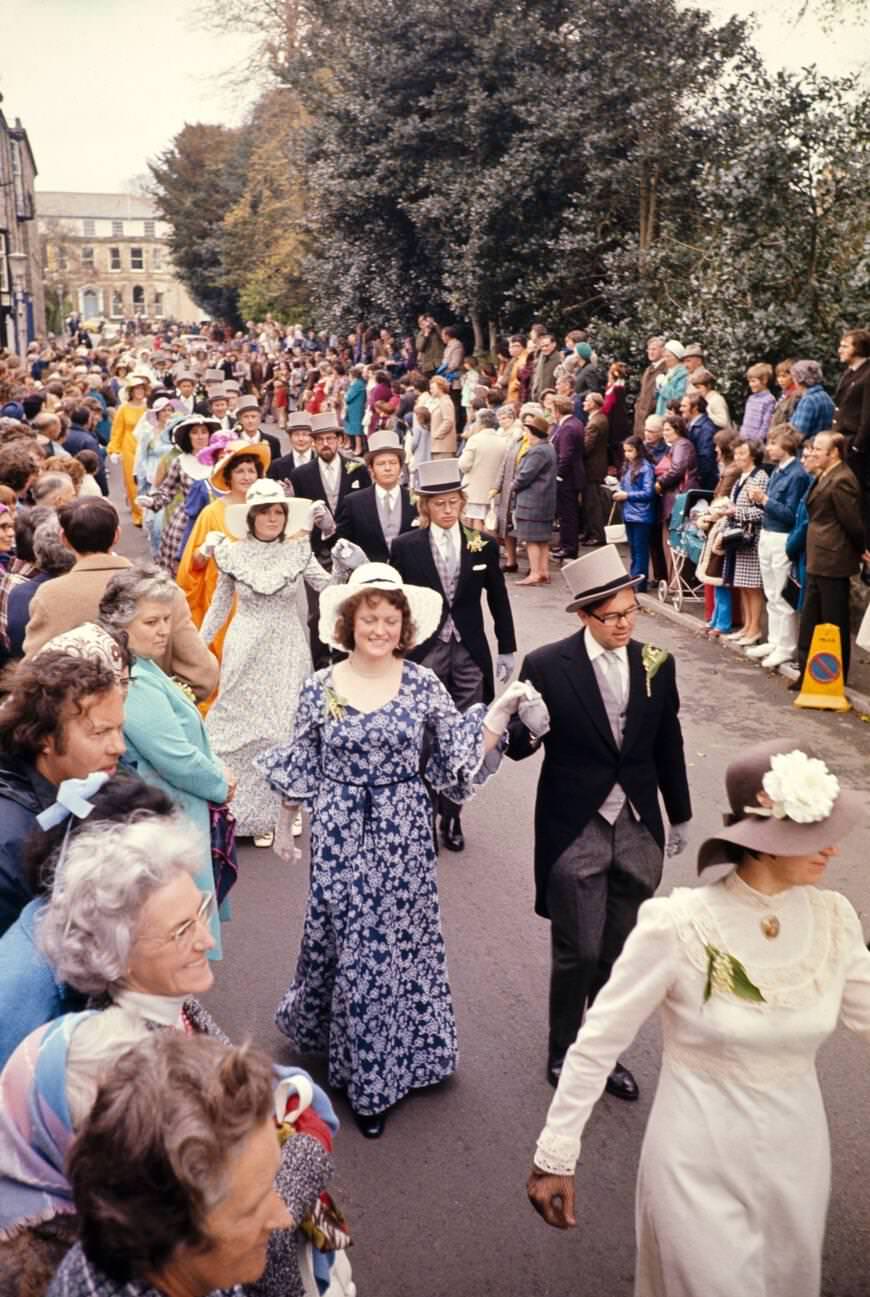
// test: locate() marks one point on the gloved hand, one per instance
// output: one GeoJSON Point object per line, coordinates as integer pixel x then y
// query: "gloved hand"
{"type": "Point", "coordinates": [347, 557]}
{"type": "Point", "coordinates": [144, 502]}
{"type": "Point", "coordinates": [322, 517]}
{"type": "Point", "coordinates": [678, 839]}
{"type": "Point", "coordinates": [534, 713]}
{"type": "Point", "coordinates": [498, 717]}
{"type": "Point", "coordinates": [504, 666]}
{"type": "Point", "coordinates": [114, 458]}
{"type": "Point", "coordinates": [210, 544]}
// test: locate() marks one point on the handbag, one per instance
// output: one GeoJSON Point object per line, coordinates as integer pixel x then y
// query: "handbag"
{"type": "Point", "coordinates": [791, 591]}
{"type": "Point", "coordinates": [224, 861]}
{"type": "Point", "coordinates": [614, 532]}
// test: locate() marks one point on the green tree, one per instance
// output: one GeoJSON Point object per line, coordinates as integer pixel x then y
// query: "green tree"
{"type": "Point", "coordinates": [196, 181]}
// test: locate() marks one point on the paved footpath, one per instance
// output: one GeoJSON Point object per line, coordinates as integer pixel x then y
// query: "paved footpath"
{"type": "Point", "coordinates": [438, 1206]}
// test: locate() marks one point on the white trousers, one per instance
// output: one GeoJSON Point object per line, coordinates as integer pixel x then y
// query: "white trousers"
{"type": "Point", "coordinates": [782, 621]}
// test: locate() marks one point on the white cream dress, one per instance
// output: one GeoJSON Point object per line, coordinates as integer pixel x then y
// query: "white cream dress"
{"type": "Point", "coordinates": [734, 1175]}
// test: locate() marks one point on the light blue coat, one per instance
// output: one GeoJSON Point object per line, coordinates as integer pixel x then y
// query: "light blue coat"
{"type": "Point", "coordinates": [167, 746]}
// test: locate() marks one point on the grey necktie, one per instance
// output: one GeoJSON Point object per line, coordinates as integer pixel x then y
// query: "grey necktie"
{"type": "Point", "coordinates": [390, 519]}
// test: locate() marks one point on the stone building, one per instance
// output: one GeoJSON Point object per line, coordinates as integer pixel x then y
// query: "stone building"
{"type": "Point", "coordinates": [105, 256]}
{"type": "Point", "coordinates": [22, 314]}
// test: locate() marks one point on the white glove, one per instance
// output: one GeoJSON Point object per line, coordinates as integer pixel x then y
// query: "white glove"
{"type": "Point", "coordinates": [322, 517]}
{"type": "Point", "coordinates": [678, 839]}
{"type": "Point", "coordinates": [498, 717]}
{"type": "Point", "coordinates": [144, 502]}
{"type": "Point", "coordinates": [210, 544]}
{"type": "Point", "coordinates": [504, 666]}
{"type": "Point", "coordinates": [114, 458]}
{"type": "Point", "coordinates": [347, 557]}
{"type": "Point", "coordinates": [534, 713]}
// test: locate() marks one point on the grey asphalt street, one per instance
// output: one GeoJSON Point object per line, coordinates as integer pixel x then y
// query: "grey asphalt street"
{"type": "Point", "coordinates": [438, 1205]}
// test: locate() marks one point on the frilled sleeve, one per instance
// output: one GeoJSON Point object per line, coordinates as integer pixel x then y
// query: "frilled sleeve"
{"type": "Point", "coordinates": [316, 576]}
{"type": "Point", "coordinates": [457, 764]}
{"type": "Point", "coordinates": [637, 986]}
{"type": "Point", "coordinates": [220, 607]}
{"type": "Point", "coordinates": [293, 769]}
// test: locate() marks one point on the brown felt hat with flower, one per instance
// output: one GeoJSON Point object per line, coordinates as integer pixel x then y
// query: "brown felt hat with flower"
{"type": "Point", "coordinates": [784, 802]}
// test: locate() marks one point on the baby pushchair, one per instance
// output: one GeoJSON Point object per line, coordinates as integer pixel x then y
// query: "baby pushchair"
{"type": "Point", "coordinates": [686, 541]}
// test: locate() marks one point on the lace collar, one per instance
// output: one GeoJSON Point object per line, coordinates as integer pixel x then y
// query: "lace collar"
{"type": "Point", "coordinates": [264, 567]}
{"type": "Point", "coordinates": [747, 895]}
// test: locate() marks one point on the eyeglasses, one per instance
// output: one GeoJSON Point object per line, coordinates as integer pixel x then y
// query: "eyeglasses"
{"type": "Point", "coordinates": [185, 933]}
{"type": "Point", "coordinates": [614, 618]}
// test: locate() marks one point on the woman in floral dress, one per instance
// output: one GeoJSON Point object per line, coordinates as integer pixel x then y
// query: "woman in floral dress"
{"type": "Point", "coordinates": [750, 975]}
{"type": "Point", "coordinates": [371, 985]}
{"type": "Point", "coordinates": [266, 653]}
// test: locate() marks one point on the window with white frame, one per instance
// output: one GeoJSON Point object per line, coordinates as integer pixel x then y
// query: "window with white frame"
{"type": "Point", "coordinates": [137, 259]}
{"type": "Point", "coordinates": [149, 229]}
{"type": "Point", "coordinates": [88, 256]}
{"type": "Point", "coordinates": [117, 303]}
{"type": "Point", "coordinates": [114, 258]}
{"type": "Point", "coordinates": [158, 306]}
{"type": "Point", "coordinates": [157, 257]}
{"type": "Point", "coordinates": [117, 229]}
{"type": "Point", "coordinates": [89, 228]}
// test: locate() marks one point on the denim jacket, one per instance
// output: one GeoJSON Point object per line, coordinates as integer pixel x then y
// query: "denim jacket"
{"type": "Point", "coordinates": [786, 488]}
{"type": "Point", "coordinates": [641, 490]}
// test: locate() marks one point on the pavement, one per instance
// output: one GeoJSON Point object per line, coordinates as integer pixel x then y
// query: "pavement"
{"type": "Point", "coordinates": [438, 1206]}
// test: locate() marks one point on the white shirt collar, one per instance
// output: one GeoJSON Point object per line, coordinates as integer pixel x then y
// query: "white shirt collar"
{"type": "Point", "coordinates": [252, 441]}
{"type": "Point", "coordinates": [386, 496]}
{"type": "Point", "coordinates": [441, 534]}
{"type": "Point", "coordinates": [594, 649]}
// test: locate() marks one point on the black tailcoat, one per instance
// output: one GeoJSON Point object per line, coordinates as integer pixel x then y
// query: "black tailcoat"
{"type": "Point", "coordinates": [581, 759]}
{"type": "Point", "coordinates": [358, 520]}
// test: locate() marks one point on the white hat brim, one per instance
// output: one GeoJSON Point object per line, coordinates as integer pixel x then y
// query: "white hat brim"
{"type": "Point", "coordinates": [426, 608]}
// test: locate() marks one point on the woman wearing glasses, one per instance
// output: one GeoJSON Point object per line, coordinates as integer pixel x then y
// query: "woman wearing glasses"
{"type": "Point", "coordinates": [614, 745]}
{"type": "Point", "coordinates": [127, 925]}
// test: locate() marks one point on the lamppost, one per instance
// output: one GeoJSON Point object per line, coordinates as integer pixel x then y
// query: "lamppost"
{"type": "Point", "coordinates": [17, 266]}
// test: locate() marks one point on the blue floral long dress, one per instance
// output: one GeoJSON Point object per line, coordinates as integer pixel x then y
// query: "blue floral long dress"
{"type": "Point", "coordinates": [371, 985]}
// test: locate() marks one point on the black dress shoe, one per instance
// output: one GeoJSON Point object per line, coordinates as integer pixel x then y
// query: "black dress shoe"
{"type": "Point", "coordinates": [451, 833]}
{"type": "Point", "coordinates": [622, 1085]}
{"type": "Point", "coordinates": [563, 555]}
{"type": "Point", "coordinates": [554, 1070]}
{"type": "Point", "coordinates": [371, 1125]}
{"type": "Point", "coordinates": [510, 567]}
{"type": "Point", "coordinates": [794, 686]}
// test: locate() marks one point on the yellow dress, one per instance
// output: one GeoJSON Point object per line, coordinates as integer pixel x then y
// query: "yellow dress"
{"type": "Point", "coordinates": [123, 443]}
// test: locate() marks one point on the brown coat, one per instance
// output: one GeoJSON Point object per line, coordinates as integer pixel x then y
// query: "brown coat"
{"type": "Point", "coordinates": [595, 447]}
{"type": "Point", "coordinates": [835, 536]}
{"type": "Point", "coordinates": [646, 397]}
{"type": "Point", "coordinates": [69, 600]}
{"type": "Point", "coordinates": [443, 426]}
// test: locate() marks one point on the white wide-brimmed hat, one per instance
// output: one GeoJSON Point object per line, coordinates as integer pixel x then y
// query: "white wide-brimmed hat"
{"type": "Point", "coordinates": [426, 605]}
{"type": "Point", "coordinates": [267, 491]}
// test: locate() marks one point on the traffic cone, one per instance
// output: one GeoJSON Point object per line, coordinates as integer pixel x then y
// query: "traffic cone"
{"type": "Point", "coordinates": [822, 685]}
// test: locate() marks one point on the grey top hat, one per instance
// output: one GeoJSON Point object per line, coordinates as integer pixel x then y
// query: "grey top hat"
{"type": "Point", "coordinates": [214, 376]}
{"type": "Point", "coordinates": [783, 802]}
{"type": "Point", "coordinates": [231, 386]}
{"type": "Point", "coordinates": [299, 419]}
{"type": "Point", "coordinates": [328, 421]}
{"type": "Point", "coordinates": [186, 376]}
{"type": "Point", "coordinates": [217, 392]}
{"type": "Point", "coordinates": [248, 403]}
{"type": "Point", "coordinates": [439, 476]}
{"type": "Point", "coordinates": [595, 577]}
{"type": "Point", "coordinates": [384, 441]}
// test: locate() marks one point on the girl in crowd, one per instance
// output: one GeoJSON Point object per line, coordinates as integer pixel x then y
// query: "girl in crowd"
{"type": "Point", "coordinates": [742, 569]}
{"type": "Point", "coordinates": [637, 494]}
{"type": "Point", "coordinates": [169, 495]}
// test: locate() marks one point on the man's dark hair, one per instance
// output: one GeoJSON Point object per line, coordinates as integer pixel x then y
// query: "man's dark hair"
{"type": "Point", "coordinates": [860, 341]}
{"type": "Point", "coordinates": [26, 523]}
{"type": "Point", "coordinates": [78, 413]}
{"type": "Point", "coordinates": [32, 404]}
{"type": "Point", "coordinates": [89, 524]}
{"type": "Point", "coordinates": [17, 465]}
{"type": "Point", "coordinates": [39, 688]}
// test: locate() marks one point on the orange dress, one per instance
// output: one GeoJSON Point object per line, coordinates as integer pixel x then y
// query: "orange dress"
{"type": "Point", "coordinates": [122, 442]}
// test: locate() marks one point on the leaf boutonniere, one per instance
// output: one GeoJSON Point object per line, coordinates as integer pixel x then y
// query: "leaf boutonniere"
{"type": "Point", "coordinates": [652, 659]}
{"type": "Point", "coordinates": [473, 540]}
{"type": "Point", "coordinates": [727, 974]}
{"type": "Point", "coordinates": [185, 688]}
{"type": "Point", "coordinates": [335, 705]}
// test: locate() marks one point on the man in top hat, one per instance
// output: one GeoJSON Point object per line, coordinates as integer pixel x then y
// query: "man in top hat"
{"type": "Point", "coordinates": [217, 407]}
{"type": "Point", "coordinates": [375, 517]}
{"type": "Point", "coordinates": [329, 477]}
{"type": "Point", "coordinates": [301, 450]}
{"type": "Point", "coordinates": [614, 744]}
{"type": "Point", "coordinates": [185, 392]}
{"type": "Point", "coordinates": [248, 428]}
{"type": "Point", "coordinates": [461, 565]}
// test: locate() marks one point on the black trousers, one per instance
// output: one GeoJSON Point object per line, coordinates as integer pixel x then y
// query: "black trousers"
{"type": "Point", "coordinates": [569, 517]}
{"type": "Point", "coordinates": [658, 558]}
{"type": "Point", "coordinates": [826, 600]}
{"type": "Point", "coordinates": [463, 679]}
{"type": "Point", "coordinates": [594, 516]}
{"type": "Point", "coordinates": [594, 892]}
{"type": "Point", "coordinates": [859, 462]}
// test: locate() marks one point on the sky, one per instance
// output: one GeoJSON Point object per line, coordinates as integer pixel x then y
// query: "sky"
{"type": "Point", "coordinates": [101, 86]}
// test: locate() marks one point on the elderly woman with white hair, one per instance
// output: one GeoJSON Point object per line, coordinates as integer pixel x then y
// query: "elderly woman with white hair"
{"type": "Point", "coordinates": [166, 739]}
{"type": "Point", "coordinates": [127, 925]}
